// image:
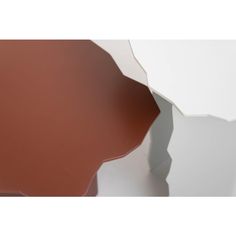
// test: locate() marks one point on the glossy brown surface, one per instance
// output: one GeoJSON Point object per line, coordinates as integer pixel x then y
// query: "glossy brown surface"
{"type": "Point", "coordinates": [65, 108]}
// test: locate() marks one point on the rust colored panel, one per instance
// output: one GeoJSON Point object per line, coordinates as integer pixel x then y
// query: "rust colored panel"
{"type": "Point", "coordinates": [65, 108]}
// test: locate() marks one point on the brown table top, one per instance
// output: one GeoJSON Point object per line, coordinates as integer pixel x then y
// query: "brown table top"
{"type": "Point", "coordinates": [65, 108]}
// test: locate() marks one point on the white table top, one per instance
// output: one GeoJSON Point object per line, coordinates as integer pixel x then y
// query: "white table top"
{"type": "Point", "coordinates": [199, 77]}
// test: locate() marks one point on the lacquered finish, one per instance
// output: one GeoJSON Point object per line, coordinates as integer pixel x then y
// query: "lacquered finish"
{"type": "Point", "coordinates": [65, 108]}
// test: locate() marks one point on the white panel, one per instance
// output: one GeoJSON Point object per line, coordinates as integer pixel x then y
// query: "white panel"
{"type": "Point", "coordinates": [122, 54]}
{"type": "Point", "coordinates": [199, 76]}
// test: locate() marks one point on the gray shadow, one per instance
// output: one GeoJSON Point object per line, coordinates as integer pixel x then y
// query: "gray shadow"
{"type": "Point", "coordinates": [203, 150]}
{"type": "Point", "coordinates": [197, 155]}
{"type": "Point", "coordinates": [161, 131]}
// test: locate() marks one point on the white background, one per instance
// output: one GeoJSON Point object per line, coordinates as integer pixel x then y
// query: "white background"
{"type": "Point", "coordinates": [119, 20]}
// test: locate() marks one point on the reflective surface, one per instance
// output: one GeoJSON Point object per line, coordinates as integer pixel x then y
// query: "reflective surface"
{"type": "Point", "coordinates": [65, 108]}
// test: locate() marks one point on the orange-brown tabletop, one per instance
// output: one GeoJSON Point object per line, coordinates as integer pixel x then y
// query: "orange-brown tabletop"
{"type": "Point", "coordinates": [65, 108]}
